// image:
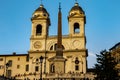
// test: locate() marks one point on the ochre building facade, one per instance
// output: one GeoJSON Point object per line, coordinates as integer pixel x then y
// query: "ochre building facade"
{"type": "Point", "coordinates": [66, 62]}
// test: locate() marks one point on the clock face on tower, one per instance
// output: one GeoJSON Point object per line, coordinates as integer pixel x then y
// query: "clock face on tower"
{"type": "Point", "coordinates": [37, 45]}
{"type": "Point", "coordinates": [76, 44]}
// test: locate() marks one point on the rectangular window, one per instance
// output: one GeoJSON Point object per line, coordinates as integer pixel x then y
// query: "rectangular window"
{"type": "Point", "coordinates": [18, 59]}
{"type": "Point", "coordinates": [76, 67]}
{"type": "Point", "coordinates": [27, 67]}
{"type": "Point", "coordinates": [36, 68]}
{"type": "Point", "coordinates": [1, 59]}
{"type": "Point", "coordinates": [18, 66]}
{"type": "Point", "coordinates": [9, 73]}
{"type": "Point", "coordinates": [10, 63]}
{"type": "Point", "coordinates": [27, 58]}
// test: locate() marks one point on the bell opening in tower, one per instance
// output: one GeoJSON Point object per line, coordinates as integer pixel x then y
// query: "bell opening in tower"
{"type": "Point", "coordinates": [38, 30]}
{"type": "Point", "coordinates": [76, 28]}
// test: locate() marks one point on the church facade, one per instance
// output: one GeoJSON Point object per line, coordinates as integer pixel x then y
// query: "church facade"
{"type": "Point", "coordinates": [51, 57]}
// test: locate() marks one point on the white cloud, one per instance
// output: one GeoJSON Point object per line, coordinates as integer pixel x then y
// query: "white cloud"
{"type": "Point", "coordinates": [91, 54]}
{"type": "Point", "coordinates": [91, 59]}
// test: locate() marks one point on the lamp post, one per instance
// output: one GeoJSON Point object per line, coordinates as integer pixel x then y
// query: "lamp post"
{"type": "Point", "coordinates": [7, 65]}
{"type": "Point", "coordinates": [41, 60]}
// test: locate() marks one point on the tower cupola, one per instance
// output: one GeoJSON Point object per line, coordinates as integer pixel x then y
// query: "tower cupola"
{"type": "Point", "coordinates": [41, 13]}
{"type": "Point", "coordinates": [41, 9]}
{"type": "Point", "coordinates": [76, 10]}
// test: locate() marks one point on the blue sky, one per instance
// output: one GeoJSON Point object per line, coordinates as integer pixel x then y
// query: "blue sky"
{"type": "Point", "coordinates": [102, 23]}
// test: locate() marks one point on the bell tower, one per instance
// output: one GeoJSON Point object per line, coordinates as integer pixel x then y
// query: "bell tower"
{"type": "Point", "coordinates": [40, 26]}
{"type": "Point", "coordinates": [76, 19]}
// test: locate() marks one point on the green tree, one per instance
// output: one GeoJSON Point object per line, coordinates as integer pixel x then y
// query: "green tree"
{"type": "Point", "coordinates": [105, 66]}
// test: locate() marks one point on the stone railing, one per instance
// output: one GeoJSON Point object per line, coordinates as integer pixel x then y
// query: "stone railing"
{"type": "Point", "coordinates": [64, 75]}
{"type": "Point", "coordinates": [45, 76]}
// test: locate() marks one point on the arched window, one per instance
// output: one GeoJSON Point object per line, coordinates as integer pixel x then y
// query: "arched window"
{"type": "Point", "coordinates": [51, 48]}
{"type": "Point", "coordinates": [54, 47]}
{"type": "Point", "coordinates": [39, 30]}
{"type": "Point", "coordinates": [76, 28]}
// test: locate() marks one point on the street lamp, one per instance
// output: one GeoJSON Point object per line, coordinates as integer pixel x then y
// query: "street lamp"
{"type": "Point", "coordinates": [41, 60]}
{"type": "Point", "coordinates": [7, 65]}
